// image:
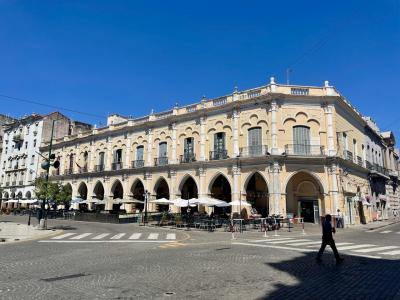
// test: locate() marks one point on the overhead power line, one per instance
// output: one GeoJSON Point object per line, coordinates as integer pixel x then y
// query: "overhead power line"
{"type": "Point", "coordinates": [60, 108]}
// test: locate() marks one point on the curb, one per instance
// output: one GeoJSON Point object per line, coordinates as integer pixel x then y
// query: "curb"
{"type": "Point", "coordinates": [383, 226]}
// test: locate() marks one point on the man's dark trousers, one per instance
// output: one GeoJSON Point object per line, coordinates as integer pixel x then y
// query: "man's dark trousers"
{"type": "Point", "coordinates": [331, 243]}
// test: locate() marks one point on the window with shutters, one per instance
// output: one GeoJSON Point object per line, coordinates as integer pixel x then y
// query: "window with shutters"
{"type": "Point", "coordinates": [219, 147]}
{"type": "Point", "coordinates": [139, 162]}
{"type": "Point", "coordinates": [162, 154]}
{"type": "Point", "coordinates": [301, 140]}
{"type": "Point", "coordinates": [255, 141]}
{"type": "Point", "coordinates": [101, 158]}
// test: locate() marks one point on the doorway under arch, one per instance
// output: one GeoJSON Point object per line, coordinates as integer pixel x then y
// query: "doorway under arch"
{"type": "Point", "coordinates": [304, 197]}
{"type": "Point", "coordinates": [189, 189]}
{"type": "Point", "coordinates": [161, 190]}
{"type": "Point", "coordinates": [257, 194]}
{"type": "Point", "coordinates": [137, 191]}
{"type": "Point", "coordinates": [221, 189]}
{"type": "Point", "coordinates": [82, 191]}
{"type": "Point", "coordinates": [98, 191]}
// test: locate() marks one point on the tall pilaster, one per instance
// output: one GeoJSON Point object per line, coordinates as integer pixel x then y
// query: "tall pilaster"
{"type": "Point", "coordinates": [236, 193]}
{"type": "Point", "coordinates": [149, 147]}
{"type": "Point", "coordinates": [274, 128]}
{"type": "Point", "coordinates": [235, 126]}
{"type": "Point", "coordinates": [109, 156]}
{"type": "Point", "coordinates": [202, 138]}
{"type": "Point", "coordinates": [328, 109]}
{"type": "Point", "coordinates": [128, 158]}
{"type": "Point", "coordinates": [174, 144]}
{"type": "Point", "coordinates": [332, 171]}
{"type": "Point", "coordinates": [274, 207]}
{"type": "Point", "coordinates": [202, 182]}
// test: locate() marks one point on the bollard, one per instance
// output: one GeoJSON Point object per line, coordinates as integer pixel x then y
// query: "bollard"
{"type": "Point", "coordinates": [232, 230]}
{"type": "Point", "coordinates": [265, 231]}
{"type": "Point", "coordinates": [303, 232]}
{"type": "Point", "coordinates": [276, 233]}
{"type": "Point", "coordinates": [42, 224]}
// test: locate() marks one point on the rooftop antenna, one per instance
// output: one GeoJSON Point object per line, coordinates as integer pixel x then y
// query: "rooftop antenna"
{"type": "Point", "coordinates": [288, 71]}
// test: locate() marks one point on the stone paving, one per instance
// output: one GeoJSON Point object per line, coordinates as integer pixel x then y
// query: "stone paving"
{"type": "Point", "coordinates": [15, 232]}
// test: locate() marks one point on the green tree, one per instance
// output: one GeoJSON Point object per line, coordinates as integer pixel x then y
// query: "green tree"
{"type": "Point", "coordinates": [46, 190]}
{"type": "Point", "coordinates": [65, 194]}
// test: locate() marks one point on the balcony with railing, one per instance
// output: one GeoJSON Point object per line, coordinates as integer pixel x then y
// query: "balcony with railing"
{"type": "Point", "coordinates": [254, 151]}
{"type": "Point", "coordinates": [69, 171]}
{"type": "Point", "coordinates": [99, 168]}
{"type": "Point", "coordinates": [218, 155]}
{"type": "Point", "coordinates": [13, 183]}
{"type": "Point", "coordinates": [379, 169]}
{"type": "Point", "coordinates": [21, 182]}
{"type": "Point", "coordinates": [368, 165]}
{"type": "Point", "coordinates": [137, 164]}
{"type": "Point", "coordinates": [116, 166]}
{"type": "Point", "coordinates": [348, 155]}
{"type": "Point", "coordinates": [304, 150]}
{"type": "Point", "coordinates": [187, 158]}
{"type": "Point", "coordinates": [7, 183]}
{"type": "Point", "coordinates": [161, 161]}
{"type": "Point", "coordinates": [359, 161]}
{"type": "Point", "coordinates": [300, 91]}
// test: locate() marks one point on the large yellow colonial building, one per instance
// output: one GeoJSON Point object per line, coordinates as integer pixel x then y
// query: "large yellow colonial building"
{"type": "Point", "coordinates": [284, 149]}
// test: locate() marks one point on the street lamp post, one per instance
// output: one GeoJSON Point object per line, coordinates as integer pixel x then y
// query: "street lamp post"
{"type": "Point", "coordinates": [146, 196]}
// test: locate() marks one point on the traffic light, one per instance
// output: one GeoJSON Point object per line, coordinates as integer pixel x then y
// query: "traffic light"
{"type": "Point", "coordinates": [46, 164]}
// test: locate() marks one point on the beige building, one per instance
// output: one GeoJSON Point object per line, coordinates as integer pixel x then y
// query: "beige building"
{"type": "Point", "coordinates": [284, 149]}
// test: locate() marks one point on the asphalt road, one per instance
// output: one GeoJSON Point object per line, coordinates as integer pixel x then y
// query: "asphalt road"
{"type": "Point", "coordinates": [108, 261]}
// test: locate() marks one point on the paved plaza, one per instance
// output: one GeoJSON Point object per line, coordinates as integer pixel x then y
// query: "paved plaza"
{"type": "Point", "coordinates": [127, 261]}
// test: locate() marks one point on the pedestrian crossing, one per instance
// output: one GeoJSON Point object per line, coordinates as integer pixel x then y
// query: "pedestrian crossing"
{"type": "Point", "coordinates": [383, 231]}
{"type": "Point", "coordinates": [307, 245]}
{"type": "Point", "coordinates": [113, 237]}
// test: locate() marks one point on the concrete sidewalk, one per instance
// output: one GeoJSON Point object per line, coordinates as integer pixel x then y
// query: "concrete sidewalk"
{"type": "Point", "coordinates": [376, 225]}
{"type": "Point", "coordinates": [15, 232]}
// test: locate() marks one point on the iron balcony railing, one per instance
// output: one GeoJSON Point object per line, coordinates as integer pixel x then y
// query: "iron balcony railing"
{"type": "Point", "coordinates": [68, 171]}
{"type": "Point", "coordinates": [21, 182]}
{"type": "Point", "coordinates": [379, 169]}
{"type": "Point", "coordinates": [14, 183]}
{"type": "Point", "coordinates": [161, 161]}
{"type": "Point", "coordinates": [368, 165]}
{"type": "Point", "coordinates": [254, 151]}
{"type": "Point", "coordinates": [116, 165]}
{"type": "Point", "coordinates": [348, 155]}
{"type": "Point", "coordinates": [359, 161]}
{"type": "Point", "coordinates": [187, 158]}
{"type": "Point", "coordinates": [138, 164]}
{"type": "Point", "coordinates": [99, 168]}
{"type": "Point", "coordinates": [219, 154]}
{"type": "Point", "coordinates": [7, 183]}
{"type": "Point", "coordinates": [304, 150]}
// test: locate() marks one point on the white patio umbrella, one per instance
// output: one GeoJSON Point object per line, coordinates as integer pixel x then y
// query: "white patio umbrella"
{"type": "Point", "coordinates": [12, 201]}
{"type": "Point", "coordinates": [162, 201]}
{"type": "Point", "coordinates": [182, 203]}
{"type": "Point", "coordinates": [239, 203]}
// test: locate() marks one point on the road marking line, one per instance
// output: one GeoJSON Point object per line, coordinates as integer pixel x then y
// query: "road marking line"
{"type": "Point", "coordinates": [100, 236]}
{"type": "Point", "coordinates": [269, 239]}
{"type": "Point", "coordinates": [376, 249]}
{"type": "Point", "coordinates": [305, 243]}
{"type": "Point", "coordinates": [356, 247]}
{"type": "Point", "coordinates": [103, 241]}
{"type": "Point", "coordinates": [135, 236]}
{"type": "Point", "coordinates": [171, 236]}
{"type": "Point", "coordinates": [369, 231]}
{"type": "Point", "coordinates": [81, 236]}
{"type": "Point", "coordinates": [398, 232]}
{"type": "Point", "coordinates": [118, 236]}
{"type": "Point", "coordinates": [337, 244]}
{"type": "Point", "coordinates": [283, 242]}
{"type": "Point", "coordinates": [386, 231]}
{"type": "Point", "coordinates": [153, 236]}
{"type": "Point", "coordinates": [395, 252]}
{"type": "Point", "coordinates": [63, 236]}
{"type": "Point", "coordinates": [298, 249]}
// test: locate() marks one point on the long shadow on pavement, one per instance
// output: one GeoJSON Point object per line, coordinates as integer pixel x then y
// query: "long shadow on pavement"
{"type": "Point", "coordinates": [356, 278]}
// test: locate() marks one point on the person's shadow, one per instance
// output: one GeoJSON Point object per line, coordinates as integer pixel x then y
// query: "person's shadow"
{"type": "Point", "coordinates": [356, 278]}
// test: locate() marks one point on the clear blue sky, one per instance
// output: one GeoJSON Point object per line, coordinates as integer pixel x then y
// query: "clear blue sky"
{"type": "Point", "coordinates": [128, 57]}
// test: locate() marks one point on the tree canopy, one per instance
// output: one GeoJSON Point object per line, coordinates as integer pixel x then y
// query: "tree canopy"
{"type": "Point", "coordinates": [54, 191]}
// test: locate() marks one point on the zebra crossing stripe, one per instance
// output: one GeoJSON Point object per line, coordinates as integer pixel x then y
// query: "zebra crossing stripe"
{"type": "Point", "coordinates": [63, 236]}
{"type": "Point", "coordinates": [271, 239]}
{"type": "Point", "coordinates": [117, 236]}
{"type": "Point", "coordinates": [135, 236]}
{"type": "Point", "coordinates": [81, 236]}
{"type": "Point", "coordinates": [395, 252]}
{"type": "Point", "coordinates": [337, 244]}
{"type": "Point", "coordinates": [356, 247]}
{"type": "Point", "coordinates": [386, 231]}
{"type": "Point", "coordinates": [305, 243]}
{"type": "Point", "coordinates": [152, 236]}
{"type": "Point", "coordinates": [100, 236]}
{"type": "Point", "coordinates": [171, 236]}
{"type": "Point", "coordinates": [282, 242]}
{"type": "Point", "coordinates": [376, 249]}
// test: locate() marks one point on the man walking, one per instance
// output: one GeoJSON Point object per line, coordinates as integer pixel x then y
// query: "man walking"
{"type": "Point", "coordinates": [327, 239]}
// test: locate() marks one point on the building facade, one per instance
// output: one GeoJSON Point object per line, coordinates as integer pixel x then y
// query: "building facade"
{"type": "Point", "coordinates": [20, 162]}
{"type": "Point", "coordinates": [284, 149]}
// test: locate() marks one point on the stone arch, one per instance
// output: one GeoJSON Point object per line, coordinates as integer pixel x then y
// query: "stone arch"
{"type": "Point", "coordinates": [19, 195]}
{"type": "Point", "coordinates": [161, 188]}
{"type": "Point", "coordinates": [28, 195]}
{"type": "Point", "coordinates": [220, 188]}
{"type": "Point", "coordinates": [214, 177]}
{"type": "Point", "coordinates": [82, 190]}
{"type": "Point", "coordinates": [305, 196]}
{"type": "Point", "coordinates": [257, 192]}
{"type": "Point", "coordinates": [12, 196]}
{"type": "Point", "coordinates": [117, 190]}
{"type": "Point", "coordinates": [6, 196]}
{"type": "Point", "coordinates": [98, 191]}
{"type": "Point", "coordinates": [188, 187]}
{"type": "Point", "coordinates": [137, 189]}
